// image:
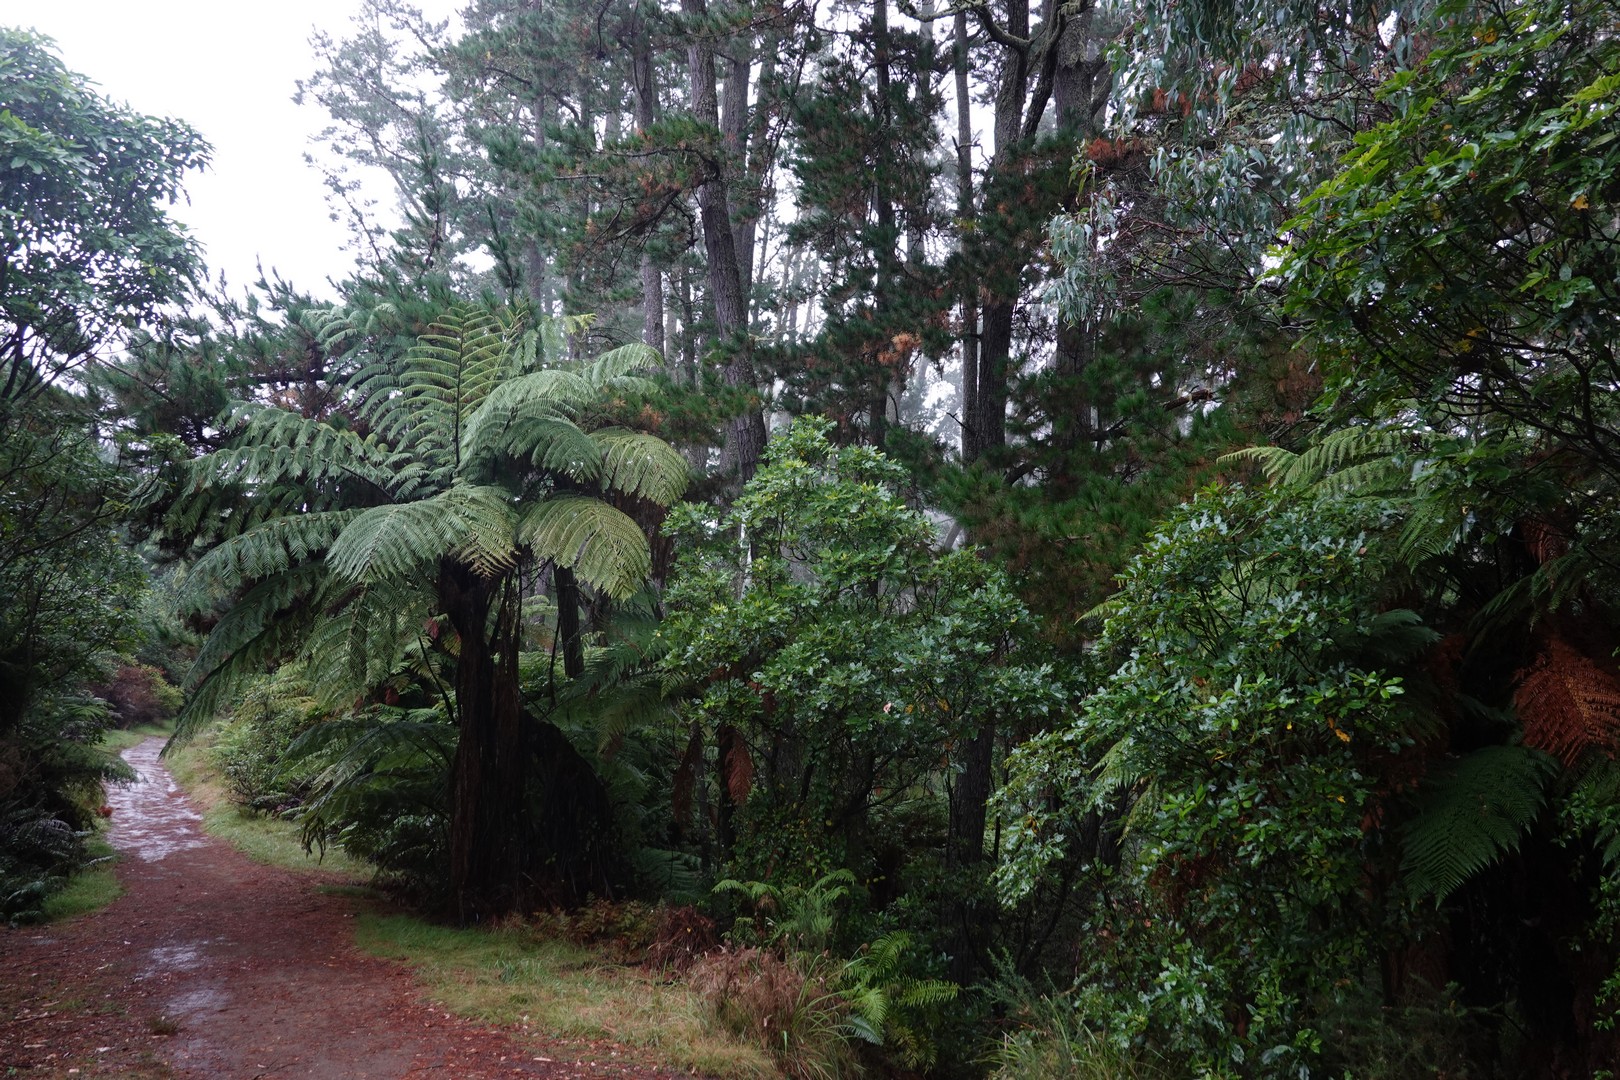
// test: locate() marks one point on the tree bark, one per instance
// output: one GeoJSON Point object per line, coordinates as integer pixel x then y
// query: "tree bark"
{"type": "Point", "coordinates": [969, 404]}
{"type": "Point", "coordinates": [487, 785]}
{"type": "Point", "coordinates": [652, 279]}
{"type": "Point", "coordinates": [569, 639]}
{"type": "Point", "coordinates": [745, 434]}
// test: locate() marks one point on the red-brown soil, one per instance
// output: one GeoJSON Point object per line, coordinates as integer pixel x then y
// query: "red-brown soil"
{"type": "Point", "coordinates": [211, 965]}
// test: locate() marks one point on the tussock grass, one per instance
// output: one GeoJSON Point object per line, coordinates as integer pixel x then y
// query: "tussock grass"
{"type": "Point", "coordinates": [512, 976]}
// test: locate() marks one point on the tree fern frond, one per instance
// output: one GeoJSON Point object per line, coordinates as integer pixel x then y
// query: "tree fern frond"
{"type": "Point", "coordinates": [1274, 461]}
{"type": "Point", "coordinates": [625, 360]}
{"type": "Point", "coordinates": [604, 546]}
{"type": "Point", "coordinates": [424, 402]}
{"type": "Point", "coordinates": [266, 625]}
{"type": "Point", "coordinates": [270, 547]}
{"type": "Point", "coordinates": [1472, 813]}
{"type": "Point", "coordinates": [552, 393]}
{"type": "Point", "coordinates": [473, 524]}
{"type": "Point", "coordinates": [1568, 702]}
{"type": "Point", "coordinates": [1338, 449]}
{"type": "Point", "coordinates": [642, 465]}
{"type": "Point", "coordinates": [358, 647]}
{"type": "Point", "coordinates": [275, 444]}
{"type": "Point", "coordinates": [551, 443]}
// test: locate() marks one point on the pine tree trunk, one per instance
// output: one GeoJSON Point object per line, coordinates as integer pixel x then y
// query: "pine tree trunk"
{"type": "Point", "coordinates": [969, 405]}
{"type": "Point", "coordinates": [652, 280]}
{"type": "Point", "coordinates": [744, 435]}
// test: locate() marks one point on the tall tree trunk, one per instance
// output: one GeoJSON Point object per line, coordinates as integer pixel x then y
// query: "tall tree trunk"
{"type": "Point", "coordinates": [970, 799]}
{"type": "Point", "coordinates": [745, 434]}
{"type": "Point", "coordinates": [969, 405]}
{"type": "Point", "coordinates": [652, 279]}
{"type": "Point", "coordinates": [487, 785]}
{"type": "Point", "coordinates": [888, 240]}
{"type": "Point", "coordinates": [1079, 93]}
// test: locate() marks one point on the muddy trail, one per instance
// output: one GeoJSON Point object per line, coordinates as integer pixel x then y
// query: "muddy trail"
{"type": "Point", "coordinates": [211, 965]}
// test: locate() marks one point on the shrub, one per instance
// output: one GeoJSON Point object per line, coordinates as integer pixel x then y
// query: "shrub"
{"type": "Point", "coordinates": [252, 747]}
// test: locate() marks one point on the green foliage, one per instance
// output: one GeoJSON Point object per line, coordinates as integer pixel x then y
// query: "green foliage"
{"type": "Point", "coordinates": [798, 918]}
{"type": "Point", "coordinates": [818, 623]}
{"type": "Point", "coordinates": [1229, 742]}
{"type": "Point", "coordinates": [90, 249]}
{"type": "Point", "coordinates": [377, 789]}
{"type": "Point", "coordinates": [251, 747]}
{"type": "Point", "coordinates": [1470, 814]}
{"type": "Point", "coordinates": [1464, 253]}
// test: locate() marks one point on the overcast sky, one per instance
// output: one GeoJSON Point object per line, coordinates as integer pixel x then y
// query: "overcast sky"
{"type": "Point", "coordinates": [228, 70]}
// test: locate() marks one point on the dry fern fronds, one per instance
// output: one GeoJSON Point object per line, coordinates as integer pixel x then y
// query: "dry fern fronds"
{"type": "Point", "coordinates": [1568, 702]}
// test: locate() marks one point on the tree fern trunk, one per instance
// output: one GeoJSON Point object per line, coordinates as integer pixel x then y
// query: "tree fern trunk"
{"type": "Point", "coordinates": [569, 638]}
{"type": "Point", "coordinates": [487, 783]}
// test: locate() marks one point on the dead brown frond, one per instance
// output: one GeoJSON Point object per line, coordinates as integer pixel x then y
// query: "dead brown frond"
{"type": "Point", "coordinates": [1568, 702]}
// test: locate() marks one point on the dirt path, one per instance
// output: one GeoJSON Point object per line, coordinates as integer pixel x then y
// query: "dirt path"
{"type": "Point", "coordinates": [211, 965]}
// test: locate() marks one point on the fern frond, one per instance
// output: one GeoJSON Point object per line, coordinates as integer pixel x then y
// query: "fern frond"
{"type": "Point", "coordinates": [266, 625]}
{"type": "Point", "coordinates": [604, 546]}
{"type": "Point", "coordinates": [642, 465]}
{"type": "Point", "coordinates": [425, 402]}
{"type": "Point", "coordinates": [274, 444]}
{"type": "Point", "coordinates": [268, 548]}
{"type": "Point", "coordinates": [1274, 461]}
{"type": "Point", "coordinates": [473, 524]}
{"type": "Point", "coordinates": [551, 443]}
{"type": "Point", "coordinates": [1473, 812]}
{"type": "Point", "coordinates": [1568, 702]}
{"type": "Point", "coordinates": [554, 393]}
{"type": "Point", "coordinates": [625, 360]}
{"type": "Point", "coordinates": [360, 645]}
{"type": "Point", "coordinates": [1337, 450]}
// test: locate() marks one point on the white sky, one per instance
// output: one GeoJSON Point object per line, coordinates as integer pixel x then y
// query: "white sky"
{"type": "Point", "coordinates": [228, 70]}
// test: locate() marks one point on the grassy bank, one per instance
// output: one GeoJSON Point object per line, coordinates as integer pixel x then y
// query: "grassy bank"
{"type": "Point", "coordinates": [270, 840]}
{"type": "Point", "coordinates": [534, 984]}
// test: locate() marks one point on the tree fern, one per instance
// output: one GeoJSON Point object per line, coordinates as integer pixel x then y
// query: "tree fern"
{"type": "Point", "coordinates": [642, 465]}
{"type": "Point", "coordinates": [1472, 813]}
{"type": "Point", "coordinates": [604, 546]}
{"type": "Point", "coordinates": [407, 540]}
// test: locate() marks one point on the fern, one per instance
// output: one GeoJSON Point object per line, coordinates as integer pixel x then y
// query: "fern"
{"type": "Point", "coordinates": [362, 644]}
{"type": "Point", "coordinates": [1473, 813]}
{"type": "Point", "coordinates": [268, 548]}
{"type": "Point", "coordinates": [618, 363]}
{"type": "Point", "coordinates": [642, 465]}
{"type": "Point", "coordinates": [407, 540]}
{"type": "Point", "coordinates": [604, 546]}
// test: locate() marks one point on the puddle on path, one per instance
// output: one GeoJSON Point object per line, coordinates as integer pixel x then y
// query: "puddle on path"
{"type": "Point", "coordinates": [151, 818]}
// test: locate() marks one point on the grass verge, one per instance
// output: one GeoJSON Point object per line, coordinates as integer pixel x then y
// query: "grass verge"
{"type": "Point", "coordinates": [270, 840]}
{"type": "Point", "coordinates": [93, 887]}
{"type": "Point", "coordinates": [512, 976]}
